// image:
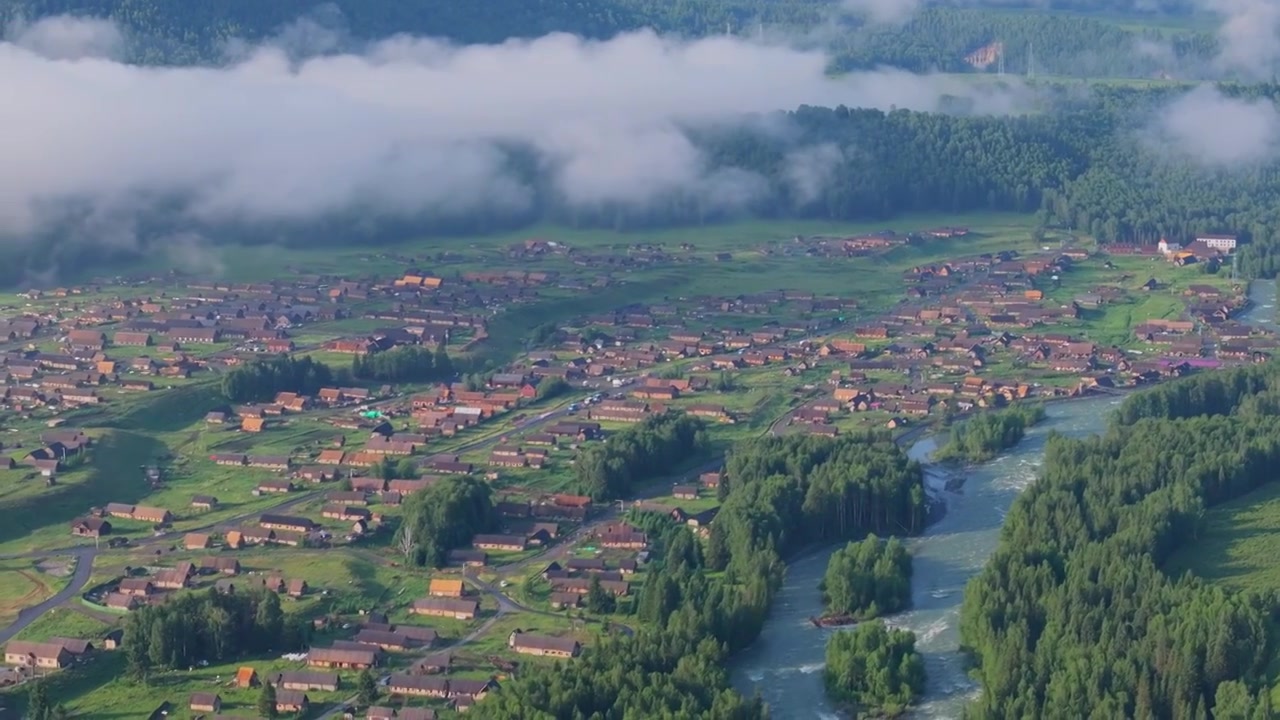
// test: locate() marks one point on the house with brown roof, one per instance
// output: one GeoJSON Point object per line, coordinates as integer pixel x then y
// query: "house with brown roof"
{"type": "Point", "coordinates": [543, 645]}
{"type": "Point", "coordinates": [196, 541]}
{"type": "Point", "coordinates": [292, 701]}
{"type": "Point", "coordinates": [246, 677]}
{"type": "Point", "coordinates": [253, 424]}
{"type": "Point", "coordinates": [120, 601]}
{"type": "Point", "coordinates": [50, 655]}
{"type": "Point", "coordinates": [90, 527]}
{"type": "Point", "coordinates": [286, 522]}
{"type": "Point", "coordinates": [510, 543]}
{"type": "Point", "coordinates": [446, 607]}
{"type": "Point", "coordinates": [205, 702]}
{"type": "Point", "coordinates": [348, 659]}
{"type": "Point", "coordinates": [418, 685]}
{"type": "Point", "coordinates": [303, 680]}
{"type": "Point", "coordinates": [330, 457]}
{"type": "Point", "coordinates": [137, 587]}
{"type": "Point", "coordinates": [443, 587]}
{"type": "Point", "coordinates": [390, 639]}
{"type": "Point", "coordinates": [220, 566]}
{"type": "Point", "coordinates": [275, 486]}
{"type": "Point", "coordinates": [172, 579]}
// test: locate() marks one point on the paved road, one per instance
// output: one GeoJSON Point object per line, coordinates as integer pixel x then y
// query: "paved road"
{"type": "Point", "coordinates": [84, 568]}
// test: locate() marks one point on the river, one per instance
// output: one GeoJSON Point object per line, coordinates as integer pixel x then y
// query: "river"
{"type": "Point", "coordinates": [785, 664]}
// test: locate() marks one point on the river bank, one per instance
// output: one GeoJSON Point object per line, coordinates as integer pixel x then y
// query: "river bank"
{"type": "Point", "coordinates": [784, 664]}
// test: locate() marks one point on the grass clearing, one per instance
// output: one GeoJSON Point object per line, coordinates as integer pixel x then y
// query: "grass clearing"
{"type": "Point", "coordinates": [1239, 543]}
{"type": "Point", "coordinates": [65, 622]}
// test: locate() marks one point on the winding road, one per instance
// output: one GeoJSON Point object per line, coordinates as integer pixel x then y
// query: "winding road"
{"type": "Point", "coordinates": [84, 568]}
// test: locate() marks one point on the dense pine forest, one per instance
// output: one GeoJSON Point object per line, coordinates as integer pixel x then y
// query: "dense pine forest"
{"type": "Point", "coordinates": [1074, 614]}
{"type": "Point", "coordinates": [177, 32]}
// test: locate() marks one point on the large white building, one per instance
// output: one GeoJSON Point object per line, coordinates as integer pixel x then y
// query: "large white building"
{"type": "Point", "coordinates": [1225, 243]}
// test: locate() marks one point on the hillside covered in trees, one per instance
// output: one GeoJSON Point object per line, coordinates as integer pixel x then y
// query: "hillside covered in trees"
{"type": "Point", "coordinates": [176, 32]}
{"type": "Point", "coordinates": [1074, 610]}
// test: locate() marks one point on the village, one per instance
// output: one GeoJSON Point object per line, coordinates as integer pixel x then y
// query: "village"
{"type": "Point", "coordinates": [125, 455]}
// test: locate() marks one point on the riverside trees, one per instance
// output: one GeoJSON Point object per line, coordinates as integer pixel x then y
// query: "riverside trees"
{"type": "Point", "coordinates": [1074, 611]}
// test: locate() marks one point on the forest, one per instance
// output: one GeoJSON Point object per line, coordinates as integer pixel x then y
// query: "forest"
{"type": "Point", "coordinates": [781, 493]}
{"type": "Point", "coordinates": [1067, 45]}
{"type": "Point", "coordinates": [209, 626]}
{"type": "Point", "coordinates": [867, 578]}
{"type": "Point", "coordinates": [260, 380]}
{"type": "Point", "coordinates": [983, 436]}
{"type": "Point", "coordinates": [658, 445]}
{"type": "Point", "coordinates": [444, 516]}
{"type": "Point", "coordinates": [937, 38]}
{"type": "Point", "coordinates": [406, 363]}
{"type": "Point", "coordinates": [874, 669]}
{"type": "Point", "coordinates": [1074, 610]}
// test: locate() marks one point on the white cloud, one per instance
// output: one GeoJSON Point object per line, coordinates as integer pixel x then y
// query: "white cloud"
{"type": "Point", "coordinates": [68, 38]}
{"type": "Point", "coordinates": [1216, 130]}
{"type": "Point", "coordinates": [1249, 35]}
{"type": "Point", "coordinates": [411, 126]}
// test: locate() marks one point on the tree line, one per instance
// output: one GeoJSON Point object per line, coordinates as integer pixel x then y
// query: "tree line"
{"type": "Point", "coordinates": [984, 435]}
{"type": "Point", "coordinates": [781, 493]}
{"type": "Point", "coordinates": [647, 450]}
{"type": "Point", "coordinates": [867, 578]}
{"type": "Point", "coordinates": [405, 363]}
{"type": "Point", "coordinates": [209, 626]}
{"type": "Point", "coordinates": [1074, 610]}
{"type": "Point", "coordinates": [261, 380]}
{"type": "Point", "coordinates": [443, 517]}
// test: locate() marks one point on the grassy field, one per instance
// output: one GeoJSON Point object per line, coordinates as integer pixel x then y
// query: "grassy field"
{"type": "Point", "coordinates": [23, 584]}
{"type": "Point", "coordinates": [65, 622]}
{"type": "Point", "coordinates": [1239, 544]}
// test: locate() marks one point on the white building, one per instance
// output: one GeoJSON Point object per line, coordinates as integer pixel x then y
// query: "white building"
{"type": "Point", "coordinates": [1167, 248]}
{"type": "Point", "coordinates": [1225, 243]}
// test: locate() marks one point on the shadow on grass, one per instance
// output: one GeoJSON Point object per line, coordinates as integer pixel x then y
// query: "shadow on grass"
{"type": "Point", "coordinates": [114, 476]}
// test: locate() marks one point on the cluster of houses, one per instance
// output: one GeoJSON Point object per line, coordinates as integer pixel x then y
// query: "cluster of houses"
{"type": "Point", "coordinates": [571, 580]}
{"type": "Point", "coordinates": [135, 591]}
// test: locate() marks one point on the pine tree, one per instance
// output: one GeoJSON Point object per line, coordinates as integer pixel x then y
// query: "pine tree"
{"type": "Point", "coordinates": [38, 701]}
{"type": "Point", "coordinates": [267, 701]}
{"type": "Point", "coordinates": [366, 688]}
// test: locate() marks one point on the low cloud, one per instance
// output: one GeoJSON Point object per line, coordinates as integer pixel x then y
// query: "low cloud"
{"type": "Point", "coordinates": [67, 38]}
{"type": "Point", "coordinates": [1218, 131]}
{"type": "Point", "coordinates": [1249, 35]}
{"type": "Point", "coordinates": [411, 126]}
{"type": "Point", "coordinates": [810, 170]}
